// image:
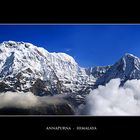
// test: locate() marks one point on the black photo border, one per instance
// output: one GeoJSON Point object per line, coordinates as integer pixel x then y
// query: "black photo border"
{"type": "Point", "coordinates": [36, 125]}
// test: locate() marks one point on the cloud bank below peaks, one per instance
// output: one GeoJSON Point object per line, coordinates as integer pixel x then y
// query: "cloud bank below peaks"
{"type": "Point", "coordinates": [27, 100]}
{"type": "Point", "coordinates": [113, 100]}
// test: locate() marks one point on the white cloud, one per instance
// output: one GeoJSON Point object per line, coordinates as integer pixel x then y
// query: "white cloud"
{"type": "Point", "coordinates": [113, 100]}
{"type": "Point", "coordinates": [20, 100]}
{"type": "Point", "coordinates": [27, 100]}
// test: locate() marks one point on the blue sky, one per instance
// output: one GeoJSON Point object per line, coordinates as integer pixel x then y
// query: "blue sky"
{"type": "Point", "coordinates": [90, 45]}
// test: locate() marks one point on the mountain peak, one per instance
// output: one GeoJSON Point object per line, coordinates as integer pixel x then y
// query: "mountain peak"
{"type": "Point", "coordinates": [129, 60]}
{"type": "Point", "coordinates": [11, 42]}
{"type": "Point", "coordinates": [128, 67]}
{"type": "Point", "coordinates": [14, 44]}
{"type": "Point", "coordinates": [129, 55]}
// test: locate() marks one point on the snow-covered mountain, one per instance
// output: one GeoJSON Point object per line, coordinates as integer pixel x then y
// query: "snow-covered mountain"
{"type": "Point", "coordinates": [127, 68]}
{"type": "Point", "coordinates": [25, 67]}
